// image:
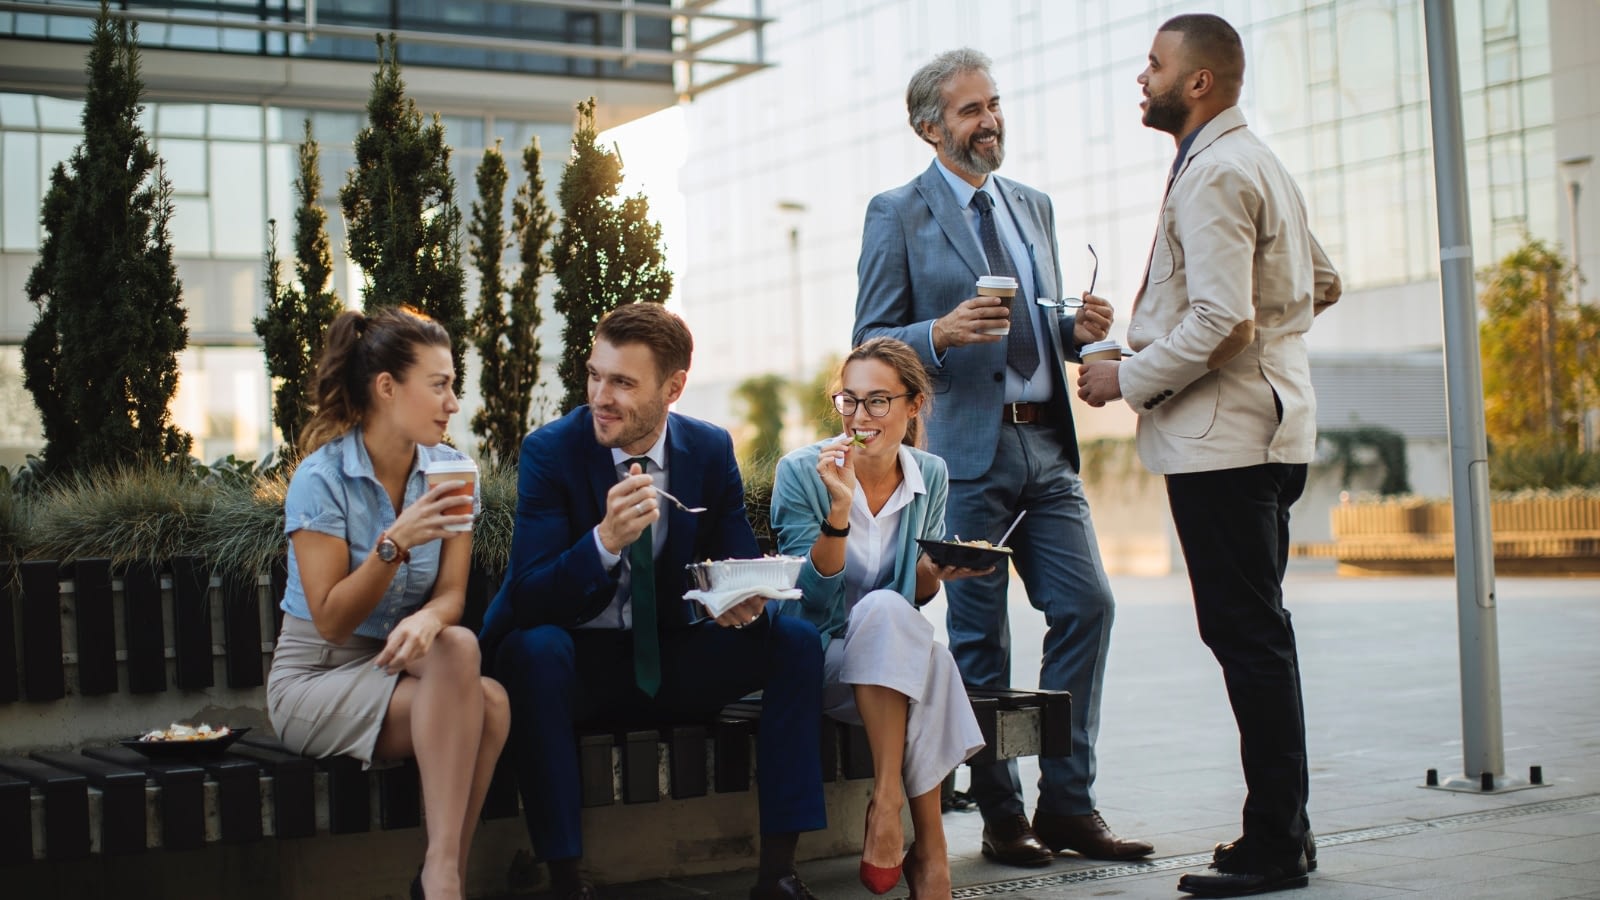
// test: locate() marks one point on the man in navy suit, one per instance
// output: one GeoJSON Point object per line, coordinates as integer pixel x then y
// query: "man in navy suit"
{"type": "Point", "coordinates": [591, 628]}
{"type": "Point", "coordinates": [1002, 421]}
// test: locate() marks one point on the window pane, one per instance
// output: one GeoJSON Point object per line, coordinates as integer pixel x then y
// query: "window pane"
{"type": "Point", "coordinates": [191, 226]}
{"type": "Point", "coordinates": [238, 215]}
{"type": "Point", "coordinates": [184, 119]}
{"type": "Point", "coordinates": [186, 165]}
{"type": "Point", "coordinates": [20, 157]}
{"type": "Point", "coordinates": [236, 122]}
{"type": "Point", "coordinates": [16, 111]}
{"type": "Point", "coordinates": [60, 115]}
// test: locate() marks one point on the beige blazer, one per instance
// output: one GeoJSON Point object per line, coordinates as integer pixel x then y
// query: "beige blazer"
{"type": "Point", "coordinates": [1220, 377]}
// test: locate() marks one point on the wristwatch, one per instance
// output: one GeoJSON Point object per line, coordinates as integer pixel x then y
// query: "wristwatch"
{"type": "Point", "coordinates": [389, 551]}
{"type": "Point", "coordinates": [831, 531]}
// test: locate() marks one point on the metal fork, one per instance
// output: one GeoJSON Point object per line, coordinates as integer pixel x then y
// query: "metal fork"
{"type": "Point", "coordinates": [679, 503]}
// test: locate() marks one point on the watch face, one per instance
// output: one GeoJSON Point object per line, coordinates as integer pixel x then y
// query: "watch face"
{"type": "Point", "coordinates": [387, 551]}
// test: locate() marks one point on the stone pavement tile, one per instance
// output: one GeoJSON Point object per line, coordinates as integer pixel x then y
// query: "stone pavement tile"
{"type": "Point", "coordinates": [1349, 860]}
{"type": "Point", "coordinates": [1446, 843]}
{"type": "Point", "coordinates": [1521, 886]}
{"type": "Point", "coordinates": [1562, 850]}
{"type": "Point", "coordinates": [1563, 824]}
{"type": "Point", "coordinates": [1426, 874]}
{"type": "Point", "coordinates": [1589, 872]}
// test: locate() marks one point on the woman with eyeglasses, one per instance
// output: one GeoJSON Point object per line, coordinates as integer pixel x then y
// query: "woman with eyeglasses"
{"type": "Point", "coordinates": [855, 506]}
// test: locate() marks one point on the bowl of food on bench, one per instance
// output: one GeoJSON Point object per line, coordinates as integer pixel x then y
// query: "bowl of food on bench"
{"type": "Point", "coordinates": [185, 740]}
{"type": "Point", "coordinates": [965, 554]}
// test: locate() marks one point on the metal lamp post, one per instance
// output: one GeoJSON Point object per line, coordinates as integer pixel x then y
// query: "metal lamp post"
{"type": "Point", "coordinates": [1574, 168]}
{"type": "Point", "coordinates": [797, 320]}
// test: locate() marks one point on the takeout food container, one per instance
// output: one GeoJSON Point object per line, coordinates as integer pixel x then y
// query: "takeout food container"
{"type": "Point", "coordinates": [965, 555]}
{"type": "Point", "coordinates": [777, 572]}
{"type": "Point", "coordinates": [186, 747]}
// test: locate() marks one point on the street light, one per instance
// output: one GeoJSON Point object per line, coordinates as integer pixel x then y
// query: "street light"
{"type": "Point", "coordinates": [797, 325]}
{"type": "Point", "coordinates": [1574, 168]}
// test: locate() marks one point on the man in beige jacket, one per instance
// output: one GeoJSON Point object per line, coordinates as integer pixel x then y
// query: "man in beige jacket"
{"type": "Point", "coordinates": [1222, 385]}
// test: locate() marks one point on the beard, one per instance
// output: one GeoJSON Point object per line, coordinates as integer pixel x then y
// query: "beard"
{"type": "Point", "coordinates": [1166, 111]}
{"type": "Point", "coordinates": [636, 425]}
{"type": "Point", "coordinates": [967, 156]}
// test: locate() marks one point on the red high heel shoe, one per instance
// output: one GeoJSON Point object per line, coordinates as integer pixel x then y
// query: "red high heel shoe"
{"type": "Point", "coordinates": [878, 879]}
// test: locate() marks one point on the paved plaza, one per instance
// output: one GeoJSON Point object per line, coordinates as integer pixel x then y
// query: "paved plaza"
{"type": "Point", "coordinates": [1382, 688]}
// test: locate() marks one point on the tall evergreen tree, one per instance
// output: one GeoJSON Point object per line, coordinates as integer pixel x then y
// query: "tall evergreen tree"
{"type": "Point", "coordinates": [102, 358]}
{"type": "Point", "coordinates": [298, 315]}
{"type": "Point", "coordinates": [508, 345]}
{"type": "Point", "coordinates": [400, 211]}
{"type": "Point", "coordinates": [607, 253]}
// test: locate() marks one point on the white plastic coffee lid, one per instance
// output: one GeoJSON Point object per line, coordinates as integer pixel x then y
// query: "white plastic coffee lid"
{"type": "Point", "coordinates": [1097, 346]}
{"type": "Point", "coordinates": [451, 465]}
{"type": "Point", "coordinates": [997, 281]}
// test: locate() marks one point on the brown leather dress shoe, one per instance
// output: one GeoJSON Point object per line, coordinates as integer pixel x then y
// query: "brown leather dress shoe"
{"type": "Point", "coordinates": [1012, 842]}
{"type": "Point", "coordinates": [1086, 835]}
{"type": "Point", "coordinates": [789, 887]}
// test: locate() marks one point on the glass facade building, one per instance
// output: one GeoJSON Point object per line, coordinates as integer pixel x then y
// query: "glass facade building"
{"type": "Point", "coordinates": [776, 192]}
{"type": "Point", "coordinates": [229, 86]}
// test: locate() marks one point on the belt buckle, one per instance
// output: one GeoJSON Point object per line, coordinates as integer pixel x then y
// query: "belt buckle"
{"type": "Point", "coordinates": [1014, 409]}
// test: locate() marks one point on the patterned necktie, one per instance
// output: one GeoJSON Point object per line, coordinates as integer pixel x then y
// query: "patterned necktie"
{"type": "Point", "coordinates": [642, 584]}
{"type": "Point", "coordinates": [1022, 352]}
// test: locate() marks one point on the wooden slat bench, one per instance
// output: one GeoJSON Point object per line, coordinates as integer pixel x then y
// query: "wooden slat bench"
{"type": "Point", "coordinates": [186, 646]}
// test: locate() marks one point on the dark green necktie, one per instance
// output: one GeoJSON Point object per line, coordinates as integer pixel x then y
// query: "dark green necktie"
{"type": "Point", "coordinates": [642, 583]}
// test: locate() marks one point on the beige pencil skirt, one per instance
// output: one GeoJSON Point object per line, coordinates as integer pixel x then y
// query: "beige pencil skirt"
{"type": "Point", "coordinates": [327, 699]}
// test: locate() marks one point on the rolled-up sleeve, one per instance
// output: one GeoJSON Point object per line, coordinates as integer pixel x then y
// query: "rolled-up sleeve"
{"type": "Point", "coordinates": [315, 503]}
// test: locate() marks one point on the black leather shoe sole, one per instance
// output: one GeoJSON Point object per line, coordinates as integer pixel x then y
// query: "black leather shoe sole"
{"type": "Point", "coordinates": [1239, 884]}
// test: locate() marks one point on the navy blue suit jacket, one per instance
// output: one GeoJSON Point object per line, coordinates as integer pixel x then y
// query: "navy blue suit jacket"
{"type": "Point", "coordinates": [555, 576]}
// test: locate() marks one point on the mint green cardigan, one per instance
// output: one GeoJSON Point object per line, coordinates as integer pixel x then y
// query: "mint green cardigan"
{"type": "Point", "coordinates": [800, 503]}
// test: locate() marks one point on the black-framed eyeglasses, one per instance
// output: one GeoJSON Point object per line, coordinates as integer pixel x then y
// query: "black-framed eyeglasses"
{"type": "Point", "coordinates": [877, 407]}
{"type": "Point", "coordinates": [1075, 302]}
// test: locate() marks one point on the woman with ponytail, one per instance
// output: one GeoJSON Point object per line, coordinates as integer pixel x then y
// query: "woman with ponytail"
{"type": "Point", "coordinates": [855, 506]}
{"type": "Point", "coordinates": [370, 662]}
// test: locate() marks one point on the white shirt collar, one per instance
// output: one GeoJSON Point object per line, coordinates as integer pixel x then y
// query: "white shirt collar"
{"type": "Point", "coordinates": [657, 453]}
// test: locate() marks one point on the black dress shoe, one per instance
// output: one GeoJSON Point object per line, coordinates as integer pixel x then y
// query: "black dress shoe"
{"type": "Point", "coordinates": [1222, 851]}
{"type": "Point", "coordinates": [1087, 836]}
{"type": "Point", "coordinates": [789, 887]}
{"type": "Point", "coordinates": [1238, 875]}
{"type": "Point", "coordinates": [583, 890]}
{"type": "Point", "coordinates": [1011, 841]}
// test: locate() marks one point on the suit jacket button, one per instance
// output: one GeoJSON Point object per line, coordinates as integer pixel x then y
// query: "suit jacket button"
{"type": "Point", "coordinates": [999, 376]}
{"type": "Point", "coordinates": [1167, 392]}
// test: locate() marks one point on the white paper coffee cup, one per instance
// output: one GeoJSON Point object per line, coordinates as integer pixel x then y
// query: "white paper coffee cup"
{"type": "Point", "coordinates": [1004, 287]}
{"type": "Point", "coordinates": [441, 470]}
{"type": "Point", "coordinates": [1100, 350]}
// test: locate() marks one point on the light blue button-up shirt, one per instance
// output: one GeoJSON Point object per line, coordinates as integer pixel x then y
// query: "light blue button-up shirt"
{"type": "Point", "coordinates": [335, 492]}
{"type": "Point", "coordinates": [1037, 388]}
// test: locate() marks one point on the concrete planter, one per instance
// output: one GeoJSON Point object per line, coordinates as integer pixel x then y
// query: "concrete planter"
{"type": "Point", "coordinates": [1533, 534]}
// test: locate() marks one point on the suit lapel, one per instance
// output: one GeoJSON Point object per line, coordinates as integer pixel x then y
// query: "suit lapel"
{"type": "Point", "coordinates": [687, 485]}
{"type": "Point", "coordinates": [935, 193]}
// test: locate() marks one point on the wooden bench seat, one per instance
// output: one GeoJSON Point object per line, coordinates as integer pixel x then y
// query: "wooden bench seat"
{"type": "Point", "coordinates": [185, 645]}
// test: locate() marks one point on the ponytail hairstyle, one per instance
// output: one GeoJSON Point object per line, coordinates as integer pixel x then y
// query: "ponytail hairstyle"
{"type": "Point", "coordinates": [897, 355]}
{"type": "Point", "coordinates": [356, 350]}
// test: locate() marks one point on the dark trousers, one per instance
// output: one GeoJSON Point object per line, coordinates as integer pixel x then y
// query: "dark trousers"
{"type": "Point", "coordinates": [559, 681]}
{"type": "Point", "coordinates": [1234, 528]}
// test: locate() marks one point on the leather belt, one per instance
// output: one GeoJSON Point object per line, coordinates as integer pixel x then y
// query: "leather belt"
{"type": "Point", "coordinates": [1025, 414]}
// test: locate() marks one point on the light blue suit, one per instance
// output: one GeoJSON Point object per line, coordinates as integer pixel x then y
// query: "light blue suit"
{"type": "Point", "coordinates": [920, 258]}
